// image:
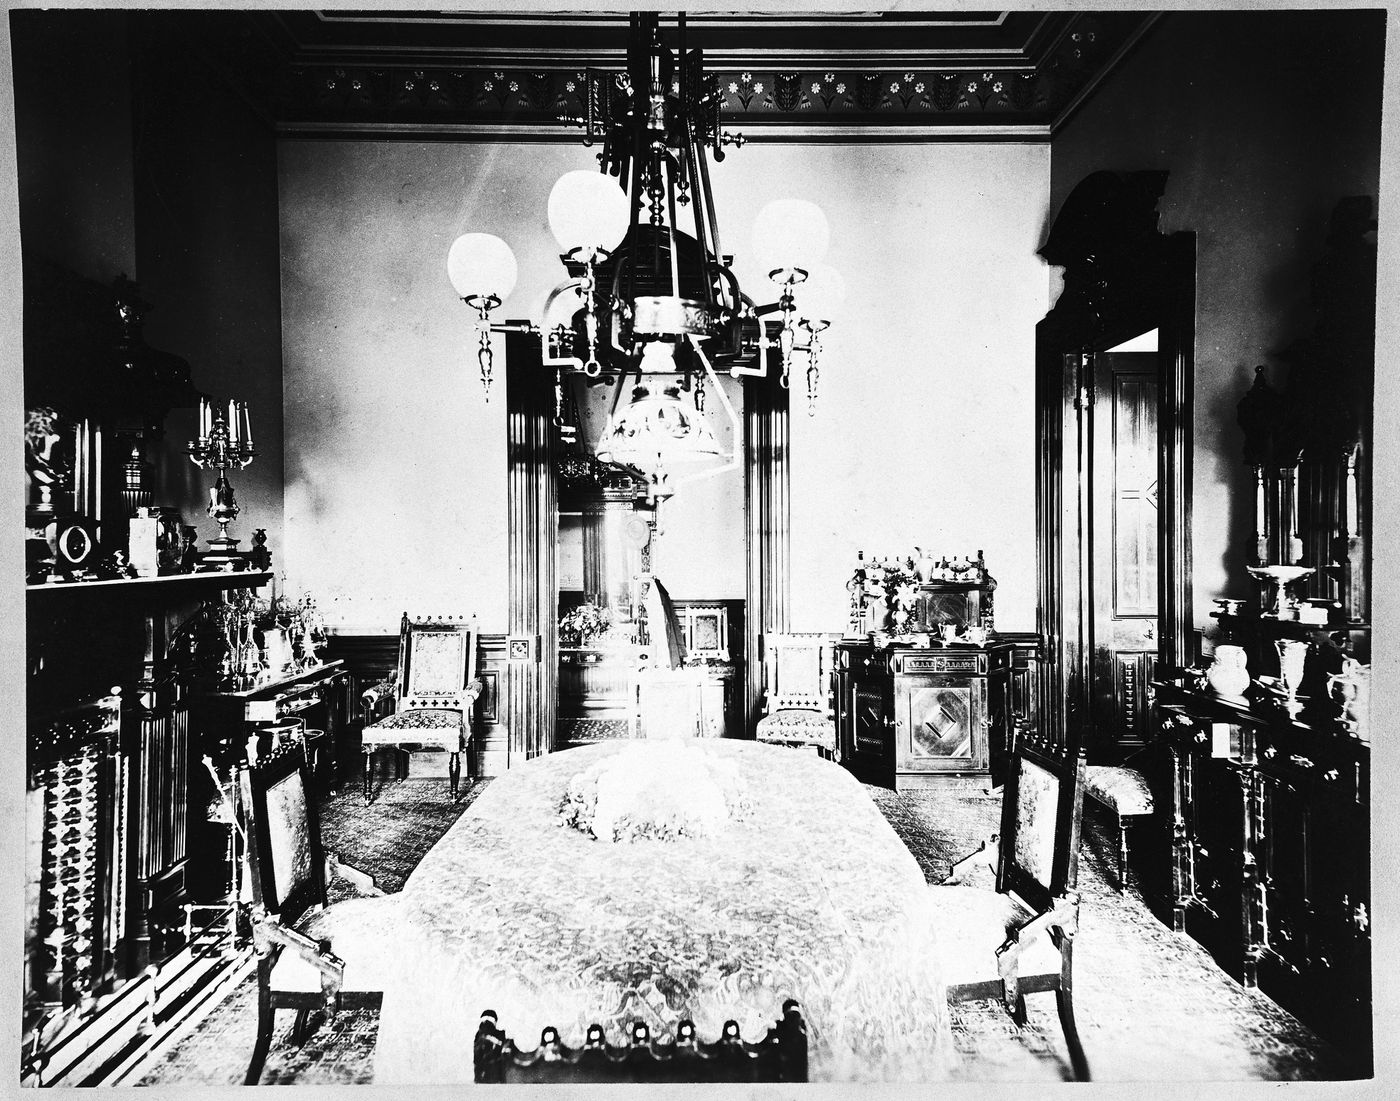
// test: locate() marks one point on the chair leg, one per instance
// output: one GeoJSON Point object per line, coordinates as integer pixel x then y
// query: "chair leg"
{"type": "Point", "coordinates": [454, 772]}
{"type": "Point", "coordinates": [1122, 854]}
{"type": "Point", "coordinates": [1064, 1002]}
{"type": "Point", "coordinates": [299, 1027]}
{"type": "Point", "coordinates": [369, 774]}
{"type": "Point", "coordinates": [264, 1040]}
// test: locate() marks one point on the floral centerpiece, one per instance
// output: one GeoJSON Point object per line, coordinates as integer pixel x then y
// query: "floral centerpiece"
{"type": "Point", "coordinates": [660, 791]}
{"type": "Point", "coordinates": [888, 589]}
{"type": "Point", "coordinates": [584, 624]}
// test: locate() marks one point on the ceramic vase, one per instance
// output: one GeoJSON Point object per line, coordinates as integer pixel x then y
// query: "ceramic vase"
{"type": "Point", "coordinates": [1229, 672]}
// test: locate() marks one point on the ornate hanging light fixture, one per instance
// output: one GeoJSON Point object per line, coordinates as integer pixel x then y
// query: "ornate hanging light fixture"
{"type": "Point", "coordinates": [641, 245]}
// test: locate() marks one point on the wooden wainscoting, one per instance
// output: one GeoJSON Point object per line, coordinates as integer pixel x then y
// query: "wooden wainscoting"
{"type": "Point", "coordinates": [373, 658]}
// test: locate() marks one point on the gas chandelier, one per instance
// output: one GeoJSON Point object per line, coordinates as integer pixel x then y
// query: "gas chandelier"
{"type": "Point", "coordinates": [650, 291]}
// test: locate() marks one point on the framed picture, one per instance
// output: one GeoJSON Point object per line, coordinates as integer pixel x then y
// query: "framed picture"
{"type": "Point", "coordinates": [707, 632]}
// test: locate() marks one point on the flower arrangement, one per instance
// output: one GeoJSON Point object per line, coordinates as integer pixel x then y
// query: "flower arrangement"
{"type": "Point", "coordinates": [889, 588]}
{"type": "Point", "coordinates": [661, 791]}
{"type": "Point", "coordinates": [583, 624]}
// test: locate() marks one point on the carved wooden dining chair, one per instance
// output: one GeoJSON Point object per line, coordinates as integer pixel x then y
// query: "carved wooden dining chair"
{"type": "Point", "coordinates": [1017, 937]}
{"type": "Point", "coordinates": [797, 693]}
{"type": "Point", "coordinates": [432, 692]}
{"type": "Point", "coordinates": [310, 955]}
{"type": "Point", "coordinates": [781, 1056]}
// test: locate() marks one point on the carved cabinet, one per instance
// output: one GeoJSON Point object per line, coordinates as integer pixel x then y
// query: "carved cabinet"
{"type": "Point", "coordinates": [1271, 854]}
{"type": "Point", "coordinates": [908, 716]}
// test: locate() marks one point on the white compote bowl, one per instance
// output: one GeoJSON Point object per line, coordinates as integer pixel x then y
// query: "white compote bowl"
{"type": "Point", "coordinates": [1282, 577]}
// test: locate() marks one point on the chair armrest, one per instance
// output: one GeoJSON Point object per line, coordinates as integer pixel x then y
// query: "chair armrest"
{"type": "Point", "coordinates": [989, 852]}
{"type": "Point", "coordinates": [269, 933]}
{"type": "Point", "coordinates": [474, 689]}
{"type": "Point", "coordinates": [1062, 915]}
{"type": "Point", "coordinates": [374, 696]}
{"type": "Point", "coordinates": [361, 881]}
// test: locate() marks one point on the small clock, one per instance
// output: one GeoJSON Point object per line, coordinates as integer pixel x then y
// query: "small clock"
{"type": "Point", "coordinates": [76, 544]}
{"type": "Point", "coordinates": [637, 532]}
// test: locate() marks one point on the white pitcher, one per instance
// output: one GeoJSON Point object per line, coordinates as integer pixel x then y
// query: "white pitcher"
{"type": "Point", "coordinates": [1228, 676]}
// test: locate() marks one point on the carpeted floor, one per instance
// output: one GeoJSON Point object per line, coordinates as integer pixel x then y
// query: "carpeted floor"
{"type": "Point", "coordinates": [1151, 1006]}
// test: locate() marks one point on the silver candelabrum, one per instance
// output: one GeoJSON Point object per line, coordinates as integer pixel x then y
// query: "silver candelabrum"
{"type": "Point", "coordinates": [225, 441]}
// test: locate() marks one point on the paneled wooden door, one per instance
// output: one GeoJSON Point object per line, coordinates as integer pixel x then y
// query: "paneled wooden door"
{"type": "Point", "coordinates": [1125, 534]}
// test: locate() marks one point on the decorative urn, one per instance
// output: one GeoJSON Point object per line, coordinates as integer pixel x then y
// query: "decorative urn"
{"type": "Point", "coordinates": [1228, 676]}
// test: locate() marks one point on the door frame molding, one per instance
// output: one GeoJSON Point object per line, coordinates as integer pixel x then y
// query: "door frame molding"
{"type": "Point", "coordinates": [1122, 278]}
{"type": "Point", "coordinates": [532, 686]}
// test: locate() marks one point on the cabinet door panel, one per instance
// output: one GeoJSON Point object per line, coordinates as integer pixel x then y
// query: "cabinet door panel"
{"type": "Point", "coordinates": [940, 724]}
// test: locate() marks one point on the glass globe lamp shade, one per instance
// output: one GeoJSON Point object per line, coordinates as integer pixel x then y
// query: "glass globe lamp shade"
{"type": "Point", "coordinates": [820, 298]}
{"type": "Point", "coordinates": [658, 431]}
{"type": "Point", "coordinates": [587, 210]}
{"type": "Point", "coordinates": [790, 233]}
{"type": "Point", "coordinates": [481, 265]}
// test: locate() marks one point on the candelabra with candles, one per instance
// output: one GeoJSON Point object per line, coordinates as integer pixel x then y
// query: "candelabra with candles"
{"type": "Point", "coordinates": [225, 441]}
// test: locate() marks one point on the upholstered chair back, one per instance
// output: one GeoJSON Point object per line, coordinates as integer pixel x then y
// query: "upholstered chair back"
{"type": "Point", "coordinates": [1042, 808]}
{"type": "Point", "coordinates": [797, 669]}
{"type": "Point", "coordinates": [437, 661]}
{"type": "Point", "coordinates": [285, 859]}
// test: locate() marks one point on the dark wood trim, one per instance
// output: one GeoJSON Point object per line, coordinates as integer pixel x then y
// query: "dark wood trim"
{"type": "Point", "coordinates": [767, 502]}
{"type": "Point", "coordinates": [532, 673]}
{"type": "Point", "coordinates": [1175, 424]}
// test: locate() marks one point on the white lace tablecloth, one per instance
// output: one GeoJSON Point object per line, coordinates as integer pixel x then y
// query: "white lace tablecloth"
{"type": "Point", "coordinates": [811, 896]}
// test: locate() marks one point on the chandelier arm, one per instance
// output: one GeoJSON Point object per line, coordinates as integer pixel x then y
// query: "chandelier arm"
{"type": "Point", "coordinates": [698, 206]}
{"type": "Point", "coordinates": [736, 429]}
{"type": "Point", "coordinates": [558, 361]}
{"type": "Point", "coordinates": [671, 228]}
{"type": "Point", "coordinates": [709, 204]}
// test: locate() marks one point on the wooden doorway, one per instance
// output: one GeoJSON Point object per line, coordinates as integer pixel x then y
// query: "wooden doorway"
{"type": "Point", "coordinates": [532, 676]}
{"type": "Point", "coordinates": [1123, 279]}
{"type": "Point", "coordinates": [1125, 540]}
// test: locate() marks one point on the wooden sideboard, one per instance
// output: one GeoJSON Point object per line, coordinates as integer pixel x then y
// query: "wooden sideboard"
{"type": "Point", "coordinates": [1271, 852]}
{"type": "Point", "coordinates": [108, 857]}
{"type": "Point", "coordinates": [906, 717]}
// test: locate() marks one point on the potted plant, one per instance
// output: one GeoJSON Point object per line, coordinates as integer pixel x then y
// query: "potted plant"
{"type": "Point", "coordinates": [583, 625]}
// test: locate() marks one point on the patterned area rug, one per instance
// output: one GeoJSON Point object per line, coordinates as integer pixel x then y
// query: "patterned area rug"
{"type": "Point", "coordinates": [386, 840]}
{"type": "Point", "coordinates": [1151, 1006]}
{"type": "Point", "coordinates": [571, 732]}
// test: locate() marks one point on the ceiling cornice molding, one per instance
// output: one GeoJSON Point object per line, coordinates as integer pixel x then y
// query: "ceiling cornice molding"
{"type": "Point", "coordinates": [546, 134]}
{"type": "Point", "coordinates": [380, 73]}
{"type": "Point", "coordinates": [1109, 67]}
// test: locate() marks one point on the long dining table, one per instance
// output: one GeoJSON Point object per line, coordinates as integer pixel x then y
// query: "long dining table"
{"type": "Point", "coordinates": [809, 894]}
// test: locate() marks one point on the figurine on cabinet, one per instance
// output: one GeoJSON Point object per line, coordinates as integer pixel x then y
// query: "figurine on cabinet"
{"type": "Point", "coordinates": [259, 557]}
{"type": "Point", "coordinates": [189, 553]}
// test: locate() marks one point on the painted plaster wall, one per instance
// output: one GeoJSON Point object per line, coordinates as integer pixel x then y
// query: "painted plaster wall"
{"type": "Point", "coordinates": [157, 172]}
{"type": "Point", "coordinates": [1264, 121]}
{"type": "Point", "coordinates": [395, 466]}
{"type": "Point", "coordinates": [73, 140]}
{"type": "Point", "coordinates": [207, 240]}
{"type": "Point", "coordinates": [923, 433]}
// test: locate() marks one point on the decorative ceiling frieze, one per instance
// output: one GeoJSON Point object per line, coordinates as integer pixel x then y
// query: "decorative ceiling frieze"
{"type": "Point", "coordinates": [922, 75]}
